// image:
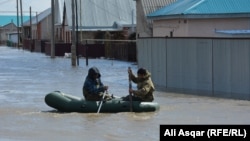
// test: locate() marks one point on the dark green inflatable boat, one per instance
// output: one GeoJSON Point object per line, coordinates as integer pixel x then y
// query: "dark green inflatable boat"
{"type": "Point", "coordinates": [68, 103]}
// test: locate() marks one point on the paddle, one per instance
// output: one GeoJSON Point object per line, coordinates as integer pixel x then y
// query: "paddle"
{"type": "Point", "coordinates": [100, 105]}
{"type": "Point", "coordinates": [130, 94]}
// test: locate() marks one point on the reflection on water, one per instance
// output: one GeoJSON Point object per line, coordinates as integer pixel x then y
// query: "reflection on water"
{"type": "Point", "coordinates": [25, 79]}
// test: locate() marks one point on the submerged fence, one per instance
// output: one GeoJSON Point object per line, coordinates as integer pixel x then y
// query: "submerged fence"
{"type": "Point", "coordinates": [124, 50]}
{"type": "Point", "coordinates": [203, 66]}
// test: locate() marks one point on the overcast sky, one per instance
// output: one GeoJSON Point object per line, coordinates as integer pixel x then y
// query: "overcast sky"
{"type": "Point", "coordinates": [10, 6]}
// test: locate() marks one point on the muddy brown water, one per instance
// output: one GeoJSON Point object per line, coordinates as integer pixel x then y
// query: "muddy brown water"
{"type": "Point", "coordinates": [26, 77]}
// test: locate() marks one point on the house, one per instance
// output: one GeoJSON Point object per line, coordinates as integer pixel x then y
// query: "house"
{"type": "Point", "coordinates": [37, 31]}
{"type": "Point", "coordinates": [202, 64]}
{"type": "Point", "coordinates": [143, 8]}
{"type": "Point", "coordinates": [8, 24]}
{"type": "Point", "coordinates": [202, 18]}
{"type": "Point", "coordinates": [5, 30]}
{"type": "Point", "coordinates": [95, 17]}
{"type": "Point", "coordinates": [39, 27]}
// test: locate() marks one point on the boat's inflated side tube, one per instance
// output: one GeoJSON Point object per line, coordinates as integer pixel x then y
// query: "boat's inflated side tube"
{"type": "Point", "coordinates": [57, 101]}
{"type": "Point", "coordinates": [145, 106]}
{"type": "Point", "coordinates": [68, 103]}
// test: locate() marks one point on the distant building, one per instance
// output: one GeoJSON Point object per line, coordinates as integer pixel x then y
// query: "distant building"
{"type": "Point", "coordinates": [8, 24]}
{"type": "Point", "coordinates": [39, 27]}
{"type": "Point", "coordinates": [6, 30]}
{"type": "Point", "coordinates": [95, 16]}
{"type": "Point", "coordinates": [202, 18]}
{"type": "Point", "coordinates": [144, 26]}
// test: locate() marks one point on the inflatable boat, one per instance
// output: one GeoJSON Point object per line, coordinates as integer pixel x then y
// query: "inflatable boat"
{"type": "Point", "coordinates": [69, 103]}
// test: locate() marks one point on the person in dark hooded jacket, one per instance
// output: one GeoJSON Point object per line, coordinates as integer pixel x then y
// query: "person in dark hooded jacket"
{"type": "Point", "coordinates": [93, 88]}
{"type": "Point", "coordinates": [145, 86]}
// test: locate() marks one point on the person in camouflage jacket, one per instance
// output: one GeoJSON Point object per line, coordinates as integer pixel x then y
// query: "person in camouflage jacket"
{"type": "Point", "coordinates": [145, 86]}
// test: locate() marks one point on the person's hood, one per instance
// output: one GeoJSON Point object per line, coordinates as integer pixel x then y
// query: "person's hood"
{"type": "Point", "coordinates": [93, 71]}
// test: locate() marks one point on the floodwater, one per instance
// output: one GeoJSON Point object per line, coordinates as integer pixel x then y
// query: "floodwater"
{"type": "Point", "coordinates": [26, 77]}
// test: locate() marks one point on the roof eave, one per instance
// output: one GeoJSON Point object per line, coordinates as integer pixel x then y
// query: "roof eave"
{"type": "Point", "coordinates": [199, 16]}
{"type": "Point", "coordinates": [97, 28]}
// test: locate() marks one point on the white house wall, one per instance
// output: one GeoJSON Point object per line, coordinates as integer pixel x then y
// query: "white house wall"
{"type": "Point", "coordinates": [198, 27]}
{"type": "Point", "coordinates": [13, 37]}
{"type": "Point", "coordinates": [46, 28]}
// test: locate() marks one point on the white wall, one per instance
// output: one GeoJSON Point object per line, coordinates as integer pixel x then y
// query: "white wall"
{"type": "Point", "coordinates": [13, 37]}
{"type": "Point", "coordinates": [198, 27]}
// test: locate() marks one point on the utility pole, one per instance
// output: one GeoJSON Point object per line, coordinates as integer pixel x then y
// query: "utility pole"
{"type": "Point", "coordinates": [37, 26]}
{"type": "Point", "coordinates": [17, 12]}
{"type": "Point", "coordinates": [77, 31]}
{"type": "Point", "coordinates": [52, 47]}
{"type": "Point", "coordinates": [81, 19]}
{"type": "Point", "coordinates": [21, 8]}
{"type": "Point", "coordinates": [73, 46]}
{"type": "Point", "coordinates": [30, 25]}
